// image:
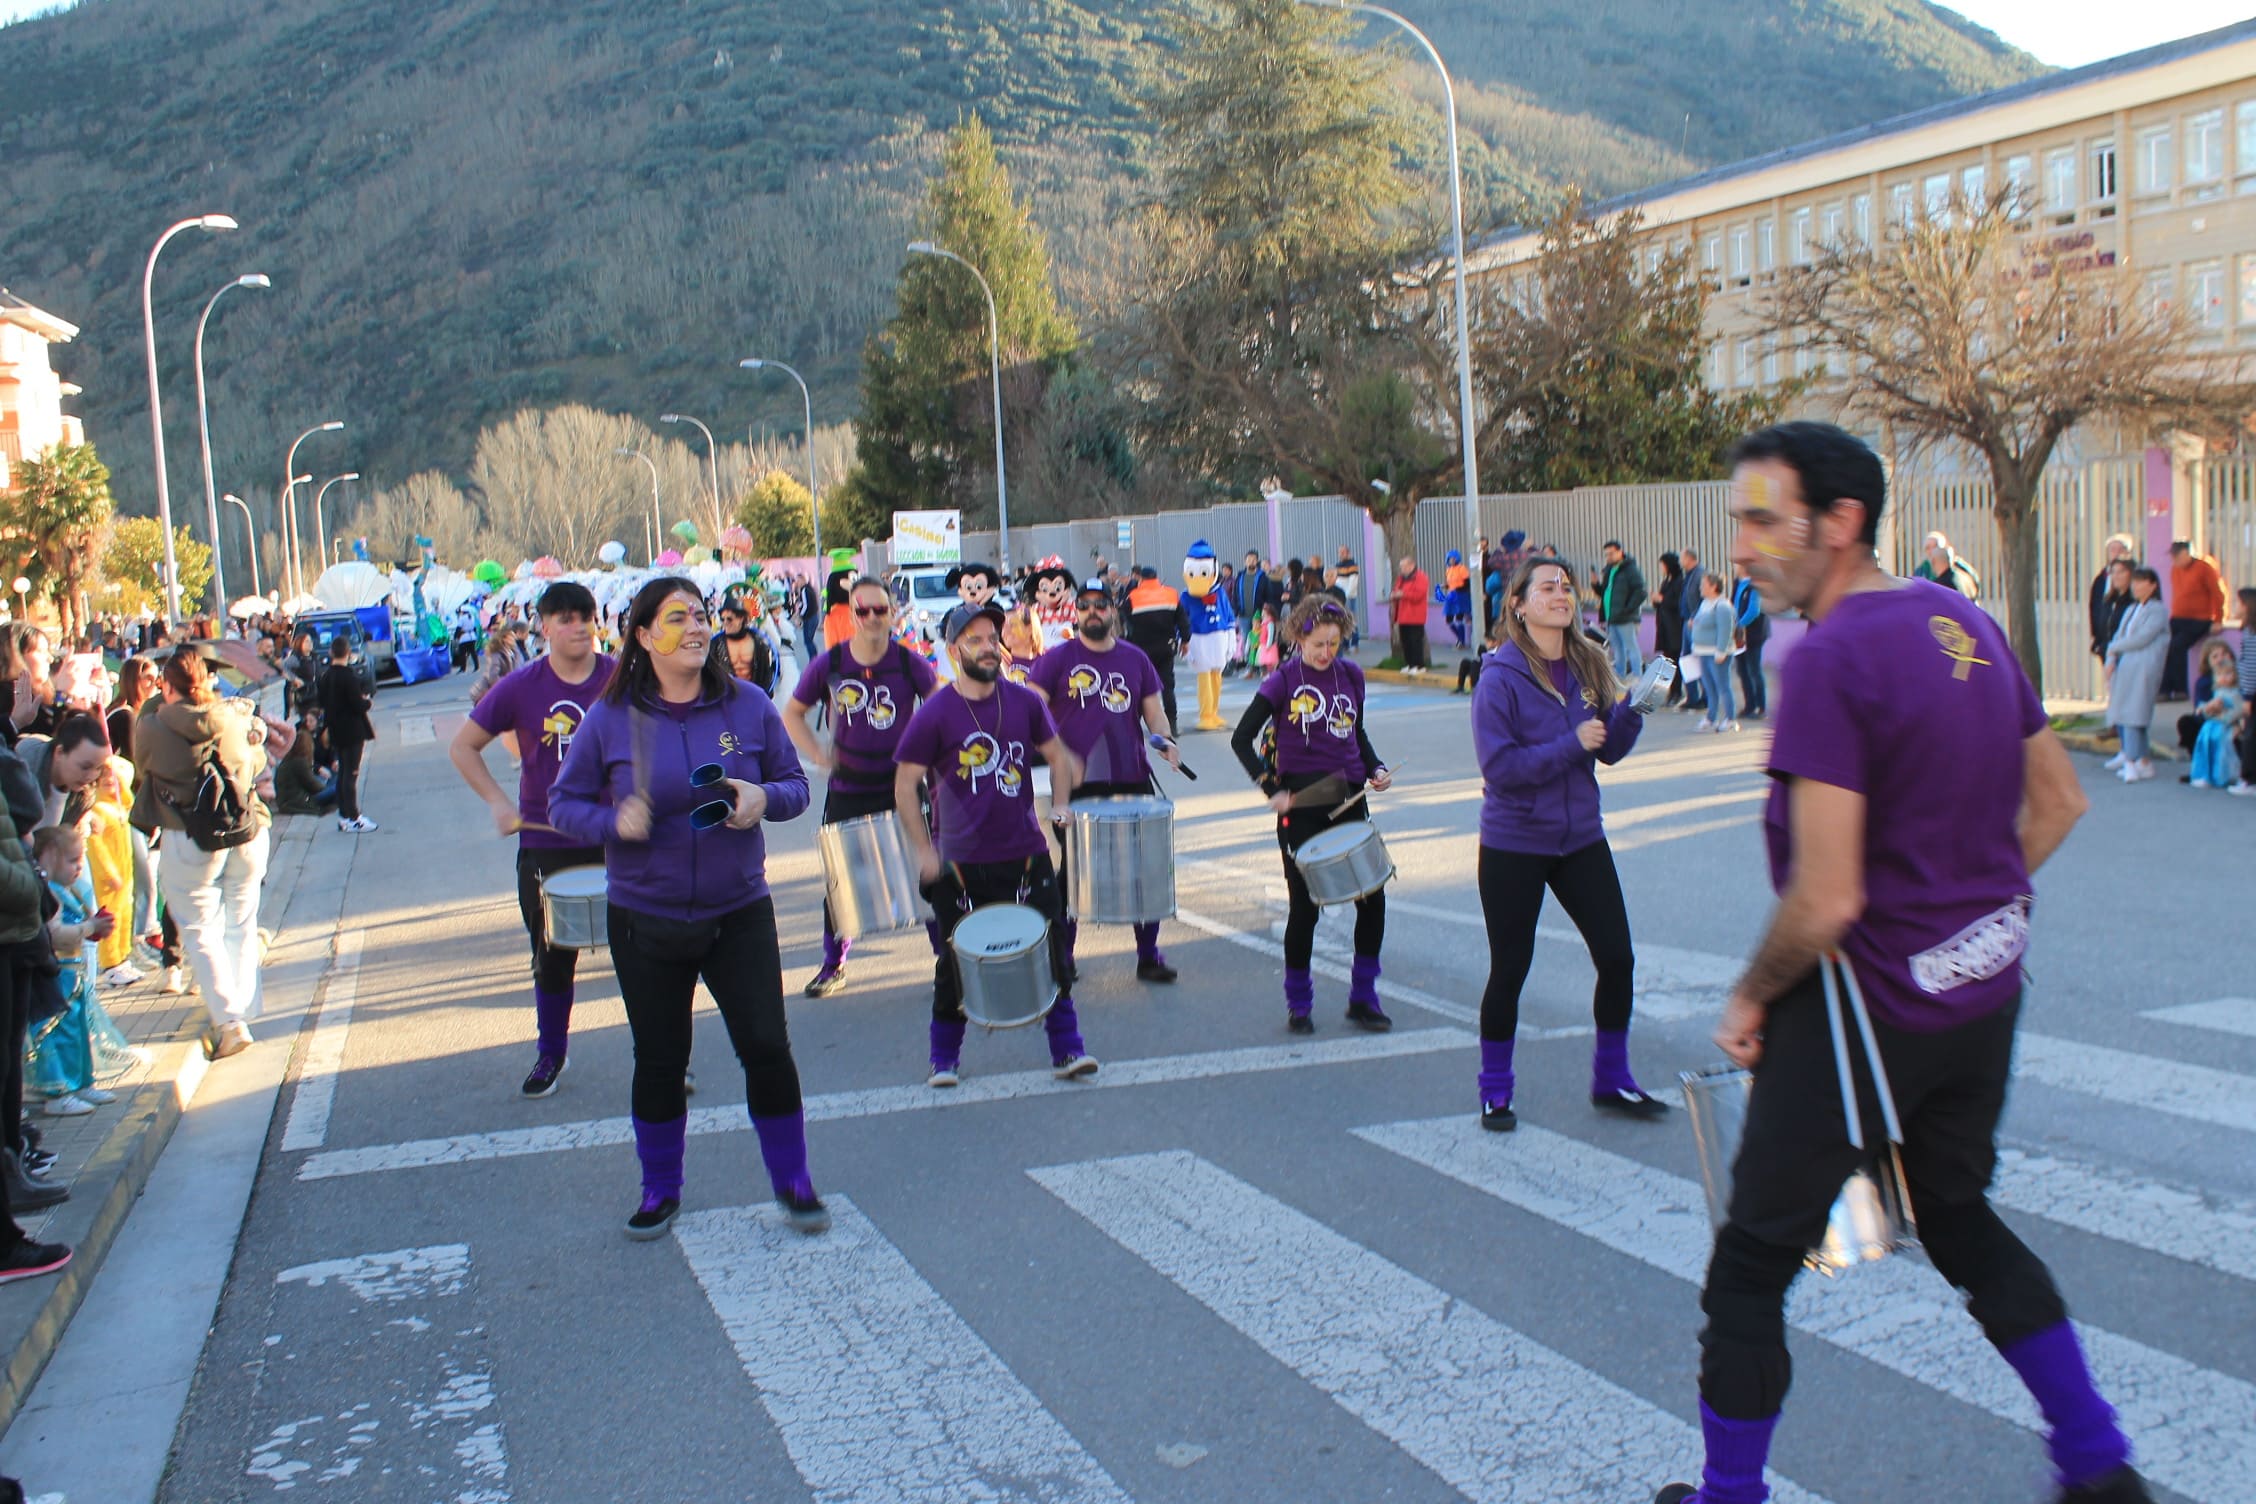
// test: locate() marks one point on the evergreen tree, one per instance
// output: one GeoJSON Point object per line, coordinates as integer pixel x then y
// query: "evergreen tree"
{"type": "Point", "coordinates": [777, 515]}
{"type": "Point", "coordinates": [131, 560]}
{"type": "Point", "coordinates": [925, 437]}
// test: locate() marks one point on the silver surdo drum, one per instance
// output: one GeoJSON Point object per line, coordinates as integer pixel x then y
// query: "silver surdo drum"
{"type": "Point", "coordinates": [574, 910]}
{"type": "Point", "coordinates": [1003, 962]}
{"type": "Point", "coordinates": [868, 877]}
{"type": "Point", "coordinates": [1120, 859]}
{"type": "Point", "coordinates": [1344, 863]}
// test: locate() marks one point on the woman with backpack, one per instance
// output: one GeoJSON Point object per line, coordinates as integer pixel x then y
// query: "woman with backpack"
{"type": "Point", "coordinates": [200, 759]}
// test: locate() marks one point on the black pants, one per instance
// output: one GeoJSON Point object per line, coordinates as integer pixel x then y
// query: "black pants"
{"type": "Point", "coordinates": [1512, 884]}
{"type": "Point", "coordinates": [18, 984]}
{"type": "Point", "coordinates": [850, 804]}
{"type": "Point", "coordinates": [1144, 785]}
{"type": "Point", "coordinates": [1301, 912]}
{"type": "Point", "coordinates": [2185, 631]}
{"type": "Point", "coordinates": [553, 968]}
{"type": "Point", "coordinates": [659, 961]}
{"type": "Point", "coordinates": [1468, 673]}
{"type": "Point", "coordinates": [1163, 659]}
{"type": "Point", "coordinates": [1754, 691]}
{"type": "Point", "coordinates": [1949, 1088]}
{"type": "Point", "coordinates": [1030, 880]}
{"type": "Point", "coordinates": [348, 778]}
{"type": "Point", "coordinates": [1414, 645]}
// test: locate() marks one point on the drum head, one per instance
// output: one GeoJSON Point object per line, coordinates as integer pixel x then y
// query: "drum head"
{"type": "Point", "coordinates": [1131, 807]}
{"type": "Point", "coordinates": [1000, 929]}
{"type": "Point", "coordinates": [1333, 842]}
{"type": "Point", "coordinates": [577, 882]}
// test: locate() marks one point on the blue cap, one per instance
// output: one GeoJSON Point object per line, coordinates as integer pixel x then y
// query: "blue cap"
{"type": "Point", "coordinates": [953, 624]}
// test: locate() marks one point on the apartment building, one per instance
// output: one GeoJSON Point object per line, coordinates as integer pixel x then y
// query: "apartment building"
{"type": "Point", "coordinates": [2145, 162]}
{"type": "Point", "coordinates": [32, 419]}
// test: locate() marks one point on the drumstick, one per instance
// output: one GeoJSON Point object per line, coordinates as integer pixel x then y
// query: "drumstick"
{"type": "Point", "coordinates": [1351, 800]}
{"type": "Point", "coordinates": [1161, 743]}
{"type": "Point", "coordinates": [525, 824]}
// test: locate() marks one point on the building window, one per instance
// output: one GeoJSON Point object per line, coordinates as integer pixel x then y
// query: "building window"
{"type": "Point", "coordinates": [2153, 164]}
{"type": "Point", "coordinates": [1935, 197]}
{"type": "Point", "coordinates": [1829, 226]}
{"type": "Point", "coordinates": [2205, 292]}
{"type": "Point", "coordinates": [1747, 362]}
{"type": "Point", "coordinates": [2160, 290]}
{"type": "Point", "coordinates": [2102, 171]}
{"type": "Point", "coordinates": [2020, 179]}
{"type": "Point", "coordinates": [1798, 237]}
{"type": "Point", "coordinates": [2060, 183]}
{"type": "Point", "coordinates": [2244, 144]}
{"type": "Point", "coordinates": [1711, 259]}
{"type": "Point", "coordinates": [1766, 245]}
{"type": "Point", "coordinates": [2205, 153]}
{"type": "Point", "coordinates": [1770, 360]}
{"type": "Point", "coordinates": [1715, 365]}
{"type": "Point", "coordinates": [1860, 218]}
{"type": "Point", "coordinates": [2248, 292]}
{"type": "Point", "coordinates": [1901, 205]}
{"type": "Point", "coordinates": [1741, 246]}
{"type": "Point", "coordinates": [1974, 188]}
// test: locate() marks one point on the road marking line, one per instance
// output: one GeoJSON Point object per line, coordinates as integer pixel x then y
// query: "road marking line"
{"type": "Point", "coordinates": [1393, 992]}
{"type": "Point", "coordinates": [1495, 1414]}
{"type": "Point", "coordinates": [2196, 1092]}
{"type": "Point", "coordinates": [2226, 1015]}
{"type": "Point", "coordinates": [2189, 1424]}
{"type": "Point", "coordinates": [310, 1105]}
{"type": "Point", "coordinates": [2179, 1222]}
{"type": "Point", "coordinates": [882, 1393]}
{"type": "Point", "coordinates": [880, 1101]}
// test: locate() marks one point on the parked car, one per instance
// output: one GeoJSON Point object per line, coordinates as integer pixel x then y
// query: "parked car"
{"type": "Point", "coordinates": [370, 656]}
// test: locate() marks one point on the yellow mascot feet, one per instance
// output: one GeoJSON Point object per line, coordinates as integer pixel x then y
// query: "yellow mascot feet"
{"type": "Point", "coordinates": [1210, 702]}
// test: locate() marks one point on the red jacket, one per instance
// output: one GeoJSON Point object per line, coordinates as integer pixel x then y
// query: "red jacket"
{"type": "Point", "coordinates": [1411, 598]}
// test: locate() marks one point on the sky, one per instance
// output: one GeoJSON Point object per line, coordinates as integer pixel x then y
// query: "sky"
{"type": "Point", "coordinates": [2065, 33]}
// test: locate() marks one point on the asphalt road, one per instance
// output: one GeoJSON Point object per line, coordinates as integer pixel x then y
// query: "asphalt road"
{"type": "Point", "coordinates": [1237, 1265]}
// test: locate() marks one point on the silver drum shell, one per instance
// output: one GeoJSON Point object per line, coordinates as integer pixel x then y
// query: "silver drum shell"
{"type": "Point", "coordinates": [868, 877]}
{"type": "Point", "coordinates": [575, 909]}
{"type": "Point", "coordinates": [1120, 860]}
{"type": "Point", "coordinates": [1344, 863]}
{"type": "Point", "coordinates": [1002, 953]}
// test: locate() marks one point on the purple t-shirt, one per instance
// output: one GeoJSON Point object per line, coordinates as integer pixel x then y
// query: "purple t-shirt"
{"type": "Point", "coordinates": [545, 713]}
{"type": "Point", "coordinates": [1913, 698]}
{"type": "Point", "coordinates": [982, 756]}
{"type": "Point", "coordinates": [1318, 713]}
{"type": "Point", "coordinates": [1097, 702]}
{"type": "Point", "coordinates": [869, 710]}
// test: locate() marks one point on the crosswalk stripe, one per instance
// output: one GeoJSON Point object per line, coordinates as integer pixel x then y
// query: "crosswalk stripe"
{"type": "Point", "coordinates": [2226, 1015]}
{"type": "Point", "coordinates": [2200, 1093]}
{"type": "Point", "coordinates": [2190, 1425]}
{"type": "Point", "coordinates": [510, 1143]}
{"type": "Point", "coordinates": [2178, 1222]}
{"type": "Point", "coordinates": [881, 1392]}
{"type": "Point", "coordinates": [1499, 1416]}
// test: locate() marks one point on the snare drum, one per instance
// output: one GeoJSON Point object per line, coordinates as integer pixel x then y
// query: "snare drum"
{"type": "Point", "coordinates": [575, 912]}
{"type": "Point", "coordinates": [868, 879]}
{"type": "Point", "coordinates": [1003, 962]}
{"type": "Point", "coordinates": [1344, 863]}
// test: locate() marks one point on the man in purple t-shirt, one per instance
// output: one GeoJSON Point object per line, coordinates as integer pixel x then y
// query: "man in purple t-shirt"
{"type": "Point", "coordinates": [1913, 891]}
{"type": "Point", "coordinates": [540, 707]}
{"type": "Point", "coordinates": [973, 739]}
{"type": "Point", "coordinates": [869, 686]}
{"type": "Point", "coordinates": [1105, 696]}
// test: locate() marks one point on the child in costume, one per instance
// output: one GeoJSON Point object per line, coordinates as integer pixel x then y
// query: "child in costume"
{"type": "Point", "coordinates": [79, 1047]}
{"type": "Point", "coordinates": [109, 861]}
{"type": "Point", "coordinates": [1213, 631]}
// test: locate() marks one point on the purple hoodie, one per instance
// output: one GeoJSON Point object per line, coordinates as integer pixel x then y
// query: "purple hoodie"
{"type": "Point", "coordinates": [679, 873]}
{"type": "Point", "coordinates": [1541, 790]}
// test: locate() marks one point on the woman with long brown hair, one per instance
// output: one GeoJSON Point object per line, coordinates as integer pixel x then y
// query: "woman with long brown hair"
{"type": "Point", "coordinates": [1547, 710]}
{"type": "Point", "coordinates": [137, 680]}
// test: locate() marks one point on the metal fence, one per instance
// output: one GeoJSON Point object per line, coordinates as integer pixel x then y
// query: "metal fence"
{"type": "Point", "coordinates": [2224, 518]}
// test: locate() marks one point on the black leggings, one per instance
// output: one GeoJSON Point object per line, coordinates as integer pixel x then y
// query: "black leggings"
{"type": "Point", "coordinates": [1511, 893]}
{"type": "Point", "coordinates": [850, 804]}
{"type": "Point", "coordinates": [553, 969]}
{"type": "Point", "coordinates": [1301, 911]}
{"type": "Point", "coordinates": [658, 962]}
{"type": "Point", "coordinates": [1949, 1088]}
{"type": "Point", "coordinates": [348, 778]}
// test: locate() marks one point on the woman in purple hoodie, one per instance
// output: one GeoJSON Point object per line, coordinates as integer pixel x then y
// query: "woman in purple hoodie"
{"type": "Point", "coordinates": [673, 772]}
{"type": "Point", "coordinates": [1547, 710]}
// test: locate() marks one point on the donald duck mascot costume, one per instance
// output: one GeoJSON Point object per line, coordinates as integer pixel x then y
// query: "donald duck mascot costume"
{"type": "Point", "coordinates": [1213, 631]}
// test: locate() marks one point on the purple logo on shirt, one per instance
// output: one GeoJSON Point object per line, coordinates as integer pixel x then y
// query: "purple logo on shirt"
{"type": "Point", "coordinates": [873, 703]}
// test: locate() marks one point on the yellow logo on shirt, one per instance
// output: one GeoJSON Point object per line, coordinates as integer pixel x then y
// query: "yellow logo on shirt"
{"type": "Point", "coordinates": [729, 743]}
{"type": "Point", "coordinates": [1957, 644]}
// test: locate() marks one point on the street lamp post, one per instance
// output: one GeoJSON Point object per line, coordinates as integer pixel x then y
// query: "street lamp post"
{"type": "Point", "coordinates": [203, 430]}
{"type": "Point", "coordinates": [250, 539]}
{"type": "Point", "coordinates": [320, 533]}
{"type": "Point", "coordinates": [712, 462]}
{"type": "Point", "coordinates": [286, 505]}
{"type": "Point", "coordinates": [156, 406]}
{"type": "Point", "coordinates": [657, 529]}
{"type": "Point", "coordinates": [814, 497]}
{"type": "Point", "coordinates": [1465, 420]}
{"type": "Point", "coordinates": [995, 369]}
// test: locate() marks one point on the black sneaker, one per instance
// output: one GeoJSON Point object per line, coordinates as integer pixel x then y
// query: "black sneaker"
{"type": "Point", "coordinates": [1629, 1102]}
{"type": "Point", "coordinates": [542, 1082]}
{"type": "Point", "coordinates": [1155, 970]}
{"type": "Point", "coordinates": [827, 981]}
{"type": "Point", "coordinates": [1300, 1023]}
{"type": "Point", "coordinates": [653, 1217]}
{"type": "Point", "coordinates": [1368, 1016]}
{"type": "Point", "coordinates": [2119, 1487]}
{"type": "Point", "coordinates": [1498, 1117]}
{"type": "Point", "coordinates": [1675, 1493]}
{"type": "Point", "coordinates": [29, 1260]}
{"type": "Point", "coordinates": [806, 1213]}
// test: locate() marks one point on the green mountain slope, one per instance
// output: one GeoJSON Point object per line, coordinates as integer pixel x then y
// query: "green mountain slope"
{"type": "Point", "coordinates": [470, 205]}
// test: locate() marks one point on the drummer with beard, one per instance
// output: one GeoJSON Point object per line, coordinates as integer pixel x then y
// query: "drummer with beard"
{"type": "Point", "coordinates": [973, 739]}
{"type": "Point", "coordinates": [1323, 757]}
{"type": "Point", "coordinates": [1104, 695]}
{"type": "Point", "coordinates": [870, 685]}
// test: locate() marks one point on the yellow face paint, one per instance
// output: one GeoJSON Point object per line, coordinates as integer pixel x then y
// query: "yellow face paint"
{"type": "Point", "coordinates": [672, 625]}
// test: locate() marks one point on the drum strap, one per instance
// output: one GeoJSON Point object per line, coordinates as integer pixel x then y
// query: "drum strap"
{"type": "Point", "coordinates": [1836, 963]}
{"type": "Point", "coordinates": [963, 889]}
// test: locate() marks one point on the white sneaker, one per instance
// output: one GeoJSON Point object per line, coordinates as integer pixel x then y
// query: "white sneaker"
{"type": "Point", "coordinates": [98, 1096]}
{"type": "Point", "coordinates": [2242, 789]}
{"type": "Point", "coordinates": [68, 1107]}
{"type": "Point", "coordinates": [120, 975]}
{"type": "Point", "coordinates": [359, 827]}
{"type": "Point", "coordinates": [2145, 771]}
{"type": "Point", "coordinates": [233, 1038]}
{"type": "Point", "coordinates": [1728, 726]}
{"type": "Point", "coordinates": [942, 1077]}
{"type": "Point", "coordinates": [1074, 1067]}
{"type": "Point", "coordinates": [2201, 783]}
{"type": "Point", "coordinates": [175, 980]}
{"type": "Point", "coordinates": [2115, 764]}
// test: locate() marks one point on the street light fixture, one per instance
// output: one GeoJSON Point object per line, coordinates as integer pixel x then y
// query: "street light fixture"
{"type": "Point", "coordinates": [320, 533]}
{"type": "Point", "coordinates": [814, 497]}
{"type": "Point", "coordinates": [156, 405]}
{"type": "Point", "coordinates": [995, 370]}
{"type": "Point", "coordinates": [657, 529]}
{"type": "Point", "coordinates": [1465, 420]}
{"type": "Point", "coordinates": [250, 540]}
{"type": "Point", "coordinates": [712, 460]}
{"type": "Point", "coordinates": [286, 506]}
{"type": "Point", "coordinates": [203, 429]}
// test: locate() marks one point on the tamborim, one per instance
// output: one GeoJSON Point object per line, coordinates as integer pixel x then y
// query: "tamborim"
{"type": "Point", "coordinates": [1003, 962]}
{"type": "Point", "coordinates": [1344, 863]}
{"type": "Point", "coordinates": [868, 877]}
{"type": "Point", "coordinates": [574, 909]}
{"type": "Point", "coordinates": [1120, 859]}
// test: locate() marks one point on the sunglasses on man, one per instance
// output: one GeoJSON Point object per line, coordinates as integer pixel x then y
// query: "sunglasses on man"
{"type": "Point", "coordinates": [866, 612]}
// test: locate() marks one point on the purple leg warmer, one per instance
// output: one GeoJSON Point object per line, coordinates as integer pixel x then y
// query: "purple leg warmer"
{"type": "Point", "coordinates": [947, 1043]}
{"type": "Point", "coordinates": [1300, 992]}
{"type": "Point", "coordinates": [659, 1147]}
{"type": "Point", "coordinates": [834, 950]}
{"type": "Point", "coordinates": [1609, 1064]}
{"type": "Point", "coordinates": [783, 1149]}
{"type": "Point", "coordinates": [1496, 1078]}
{"type": "Point", "coordinates": [932, 933]}
{"type": "Point", "coordinates": [1147, 942]}
{"type": "Point", "coordinates": [552, 1020]}
{"type": "Point", "coordinates": [2085, 1441]}
{"type": "Point", "coordinates": [1737, 1450]}
{"type": "Point", "coordinates": [1064, 1028]}
{"type": "Point", "coordinates": [1363, 983]}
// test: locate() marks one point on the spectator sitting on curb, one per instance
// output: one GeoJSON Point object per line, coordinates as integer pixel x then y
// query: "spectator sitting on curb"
{"type": "Point", "coordinates": [2216, 764]}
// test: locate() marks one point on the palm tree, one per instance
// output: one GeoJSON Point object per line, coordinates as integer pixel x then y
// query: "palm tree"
{"type": "Point", "coordinates": [56, 519]}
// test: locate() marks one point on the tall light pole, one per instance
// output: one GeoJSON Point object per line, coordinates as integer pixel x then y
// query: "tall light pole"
{"type": "Point", "coordinates": [657, 518]}
{"type": "Point", "coordinates": [320, 533]}
{"type": "Point", "coordinates": [995, 369]}
{"type": "Point", "coordinates": [203, 430]}
{"type": "Point", "coordinates": [712, 462]}
{"type": "Point", "coordinates": [814, 497]}
{"type": "Point", "coordinates": [250, 538]}
{"type": "Point", "coordinates": [156, 405]}
{"type": "Point", "coordinates": [1465, 420]}
{"type": "Point", "coordinates": [286, 505]}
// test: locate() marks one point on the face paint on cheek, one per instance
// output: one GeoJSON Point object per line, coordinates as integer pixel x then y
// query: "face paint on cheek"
{"type": "Point", "coordinates": [1797, 537]}
{"type": "Point", "coordinates": [667, 635]}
